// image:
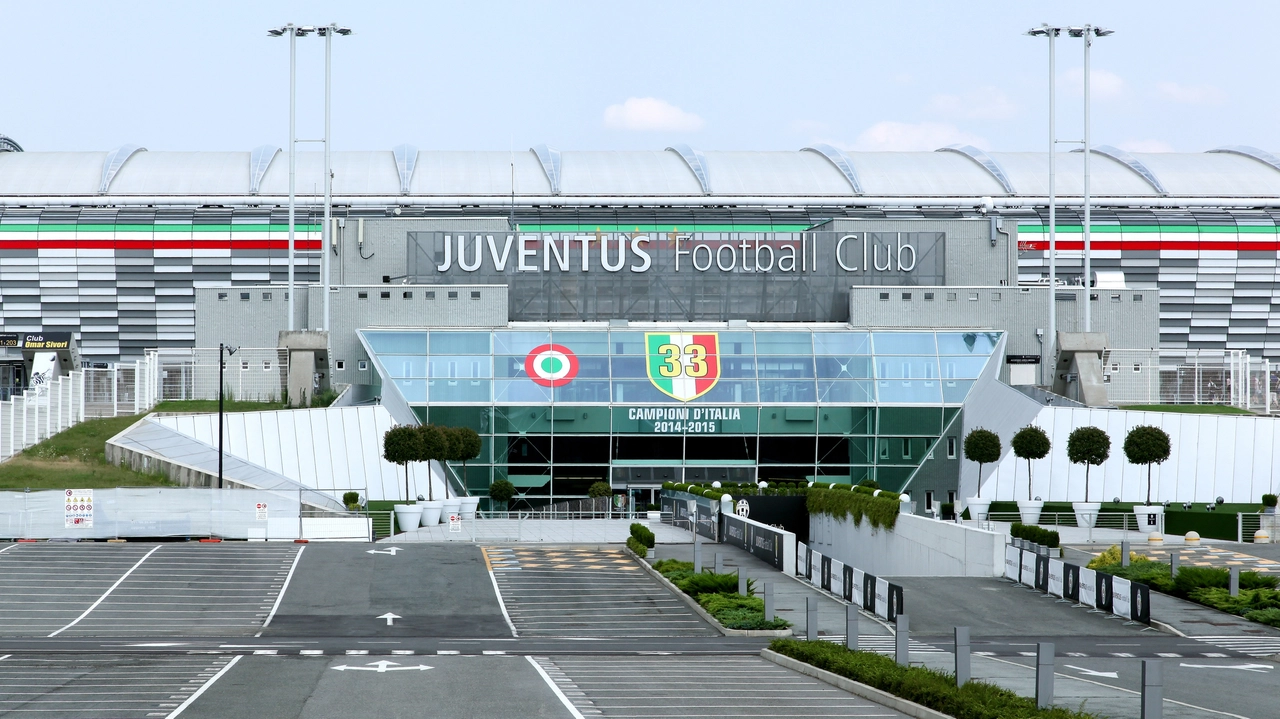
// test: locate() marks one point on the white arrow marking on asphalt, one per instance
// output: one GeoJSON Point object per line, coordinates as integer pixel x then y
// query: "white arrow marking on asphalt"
{"type": "Point", "coordinates": [1260, 668]}
{"type": "Point", "coordinates": [382, 666]}
{"type": "Point", "coordinates": [390, 550]}
{"type": "Point", "coordinates": [1092, 673]}
{"type": "Point", "coordinates": [389, 617]}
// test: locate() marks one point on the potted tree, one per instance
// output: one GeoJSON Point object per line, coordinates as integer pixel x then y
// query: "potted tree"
{"type": "Point", "coordinates": [1146, 444]}
{"type": "Point", "coordinates": [500, 492]}
{"type": "Point", "coordinates": [434, 447]}
{"type": "Point", "coordinates": [452, 453]}
{"type": "Point", "coordinates": [1091, 447]}
{"type": "Point", "coordinates": [1269, 503]}
{"type": "Point", "coordinates": [981, 446]}
{"type": "Point", "coordinates": [1030, 443]}
{"type": "Point", "coordinates": [466, 442]}
{"type": "Point", "coordinates": [402, 445]}
{"type": "Point", "coordinates": [598, 491]}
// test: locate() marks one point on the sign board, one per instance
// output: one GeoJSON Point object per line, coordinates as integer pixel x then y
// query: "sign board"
{"type": "Point", "coordinates": [1088, 587]}
{"type": "Point", "coordinates": [10, 339]}
{"type": "Point", "coordinates": [455, 522]}
{"type": "Point", "coordinates": [260, 512]}
{"type": "Point", "coordinates": [1121, 596]}
{"type": "Point", "coordinates": [1057, 572]}
{"type": "Point", "coordinates": [743, 508]}
{"type": "Point", "coordinates": [78, 509]}
{"type": "Point", "coordinates": [1028, 574]}
{"type": "Point", "coordinates": [1022, 359]}
{"type": "Point", "coordinates": [46, 340]}
{"type": "Point", "coordinates": [1012, 562]}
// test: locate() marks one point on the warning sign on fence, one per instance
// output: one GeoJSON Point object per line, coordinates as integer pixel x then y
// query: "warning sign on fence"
{"type": "Point", "coordinates": [79, 509]}
{"type": "Point", "coordinates": [261, 512]}
{"type": "Point", "coordinates": [455, 522]}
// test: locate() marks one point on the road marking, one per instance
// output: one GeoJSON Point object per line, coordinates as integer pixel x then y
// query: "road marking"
{"type": "Point", "coordinates": [498, 593]}
{"type": "Point", "coordinates": [285, 588]}
{"type": "Point", "coordinates": [1092, 673]}
{"type": "Point", "coordinates": [447, 651]}
{"type": "Point", "coordinates": [381, 667]}
{"type": "Point", "coordinates": [1169, 655]}
{"type": "Point", "coordinates": [11, 546]}
{"type": "Point", "coordinates": [390, 550]}
{"type": "Point", "coordinates": [271, 652]}
{"type": "Point", "coordinates": [1260, 668]}
{"type": "Point", "coordinates": [354, 652]}
{"type": "Point", "coordinates": [573, 711]}
{"type": "Point", "coordinates": [1122, 655]}
{"type": "Point", "coordinates": [5, 657]}
{"type": "Point", "coordinates": [203, 687]}
{"type": "Point", "coordinates": [389, 617]}
{"type": "Point", "coordinates": [104, 594]}
{"type": "Point", "coordinates": [311, 652]}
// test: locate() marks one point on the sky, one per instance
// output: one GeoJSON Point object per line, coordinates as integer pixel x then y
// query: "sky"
{"type": "Point", "coordinates": [1176, 76]}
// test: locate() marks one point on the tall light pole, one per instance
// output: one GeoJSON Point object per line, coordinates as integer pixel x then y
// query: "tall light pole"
{"type": "Point", "coordinates": [1051, 32]}
{"type": "Point", "coordinates": [228, 350]}
{"type": "Point", "coordinates": [1088, 32]}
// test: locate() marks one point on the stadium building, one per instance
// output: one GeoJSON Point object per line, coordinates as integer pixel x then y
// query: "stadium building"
{"type": "Point", "coordinates": [643, 316]}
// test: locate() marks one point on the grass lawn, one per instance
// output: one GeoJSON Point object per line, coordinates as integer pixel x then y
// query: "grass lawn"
{"type": "Point", "coordinates": [1187, 408]}
{"type": "Point", "coordinates": [76, 458]}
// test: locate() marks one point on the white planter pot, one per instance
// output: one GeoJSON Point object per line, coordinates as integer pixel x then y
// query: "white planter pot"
{"type": "Point", "coordinates": [1029, 510]}
{"type": "Point", "coordinates": [469, 505]}
{"type": "Point", "coordinates": [654, 516]}
{"type": "Point", "coordinates": [1086, 514]}
{"type": "Point", "coordinates": [408, 516]}
{"type": "Point", "coordinates": [1150, 519]}
{"type": "Point", "coordinates": [978, 508]}
{"type": "Point", "coordinates": [431, 513]}
{"type": "Point", "coordinates": [450, 507]}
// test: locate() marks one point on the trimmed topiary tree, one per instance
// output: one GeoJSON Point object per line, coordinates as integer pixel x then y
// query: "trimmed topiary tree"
{"type": "Point", "coordinates": [599, 489]}
{"type": "Point", "coordinates": [1089, 446]}
{"type": "Point", "coordinates": [435, 446]}
{"type": "Point", "coordinates": [501, 491]}
{"type": "Point", "coordinates": [466, 446]}
{"type": "Point", "coordinates": [1030, 443]}
{"type": "Point", "coordinates": [402, 445]}
{"type": "Point", "coordinates": [982, 446]}
{"type": "Point", "coordinates": [1147, 445]}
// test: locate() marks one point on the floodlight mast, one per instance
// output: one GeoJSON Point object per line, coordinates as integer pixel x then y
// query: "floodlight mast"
{"type": "Point", "coordinates": [1046, 373]}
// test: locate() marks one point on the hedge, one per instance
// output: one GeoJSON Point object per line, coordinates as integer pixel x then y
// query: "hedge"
{"type": "Point", "coordinates": [637, 546]}
{"type": "Point", "coordinates": [928, 687]}
{"type": "Point", "coordinates": [882, 512]}
{"type": "Point", "coordinates": [1032, 533]}
{"type": "Point", "coordinates": [643, 535]}
{"type": "Point", "coordinates": [774, 489]}
{"type": "Point", "coordinates": [718, 594]}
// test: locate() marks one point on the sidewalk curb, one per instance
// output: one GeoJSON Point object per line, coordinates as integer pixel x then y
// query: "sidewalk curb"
{"type": "Point", "coordinates": [909, 708]}
{"type": "Point", "coordinates": [702, 612]}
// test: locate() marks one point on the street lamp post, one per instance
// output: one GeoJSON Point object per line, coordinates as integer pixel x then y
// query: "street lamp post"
{"type": "Point", "coordinates": [1088, 32]}
{"type": "Point", "coordinates": [228, 350]}
{"type": "Point", "coordinates": [1046, 374]}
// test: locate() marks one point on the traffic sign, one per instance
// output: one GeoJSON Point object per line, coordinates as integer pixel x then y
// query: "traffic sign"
{"type": "Point", "coordinates": [455, 522]}
{"type": "Point", "coordinates": [78, 509]}
{"type": "Point", "coordinates": [261, 512]}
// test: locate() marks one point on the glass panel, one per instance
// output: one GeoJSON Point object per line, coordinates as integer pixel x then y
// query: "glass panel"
{"type": "Point", "coordinates": [844, 367]}
{"type": "Point", "coordinates": [460, 367]}
{"type": "Point", "coordinates": [911, 420]}
{"type": "Point", "coordinates": [592, 367]}
{"type": "Point", "coordinates": [955, 392]}
{"type": "Point", "coordinates": [963, 343]}
{"type": "Point", "coordinates": [627, 343]}
{"type": "Point", "coordinates": [734, 366]}
{"type": "Point", "coordinates": [581, 420]}
{"type": "Point", "coordinates": [906, 368]}
{"type": "Point", "coordinates": [518, 343]}
{"type": "Point", "coordinates": [476, 418]}
{"type": "Point", "coordinates": [520, 390]}
{"type": "Point", "coordinates": [583, 390]}
{"type": "Point", "coordinates": [405, 365]}
{"type": "Point", "coordinates": [906, 343]}
{"type": "Point", "coordinates": [785, 367]}
{"type": "Point", "coordinates": [397, 342]}
{"type": "Point", "coordinates": [846, 391]}
{"type": "Point", "coordinates": [780, 391]}
{"type": "Point", "coordinates": [737, 343]}
{"type": "Point", "coordinates": [637, 392]}
{"type": "Point", "coordinates": [841, 343]}
{"type": "Point", "coordinates": [630, 367]}
{"type": "Point", "coordinates": [464, 390]}
{"type": "Point", "coordinates": [784, 343]}
{"type": "Point", "coordinates": [459, 343]}
{"type": "Point", "coordinates": [731, 391]}
{"type": "Point", "coordinates": [962, 367]}
{"type": "Point", "coordinates": [413, 390]}
{"type": "Point", "coordinates": [583, 343]}
{"type": "Point", "coordinates": [903, 392]}
{"type": "Point", "coordinates": [509, 366]}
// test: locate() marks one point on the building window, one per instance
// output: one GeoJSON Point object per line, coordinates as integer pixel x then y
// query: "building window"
{"type": "Point", "coordinates": [1115, 367]}
{"type": "Point", "coordinates": [928, 296]}
{"type": "Point", "coordinates": [362, 295]}
{"type": "Point", "coordinates": [973, 296]}
{"type": "Point", "coordinates": [995, 296]}
{"type": "Point", "coordinates": [266, 296]}
{"type": "Point", "coordinates": [906, 296]}
{"type": "Point", "coordinates": [1093, 296]}
{"type": "Point", "coordinates": [884, 295]}
{"type": "Point", "coordinates": [951, 448]}
{"type": "Point", "coordinates": [362, 365]}
{"type": "Point", "coordinates": [906, 448]}
{"type": "Point", "coordinates": [266, 365]}
{"type": "Point", "coordinates": [408, 295]}
{"type": "Point", "coordinates": [340, 365]}
{"type": "Point", "coordinates": [1137, 298]}
{"type": "Point", "coordinates": [1137, 367]}
{"type": "Point", "coordinates": [475, 294]}
{"type": "Point", "coordinates": [222, 296]}
{"type": "Point", "coordinates": [431, 294]}
{"type": "Point", "coordinates": [386, 279]}
{"type": "Point", "coordinates": [884, 449]}
{"type": "Point", "coordinates": [951, 297]}
{"type": "Point", "coordinates": [1115, 297]}
{"type": "Point", "coordinates": [951, 496]}
{"type": "Point", "coordinates": [928, 500]}
{"type": "Point", "coordinates": [453, 295]}
{"type": "Point", "coordinates": [384, 295]}
{"type": "Point", "coordinates": [244, 365]}
{"type": "Point", "coordinates": [244, 296]}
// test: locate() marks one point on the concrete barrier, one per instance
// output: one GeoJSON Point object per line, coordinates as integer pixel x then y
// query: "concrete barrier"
{"type": "Point", "coordinates": [915, 547]}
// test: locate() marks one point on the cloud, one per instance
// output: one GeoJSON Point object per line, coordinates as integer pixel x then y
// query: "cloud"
{"type": "Point", "coordinates": [1103, 85]}
{"type": "Point", "coordinates": [650, 114]}
{"type": "Point", "coordinates": [888, 135]}
{"type": "Point", "coordinates": [985, 103]}
{"type": "Point", "coordinates": [1190, 94]}
{"type": "Point", "coordinates": [1146, 146]}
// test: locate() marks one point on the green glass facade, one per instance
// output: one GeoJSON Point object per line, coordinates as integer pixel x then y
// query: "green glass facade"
{"type": "Point", "coordinates": [562, 405]}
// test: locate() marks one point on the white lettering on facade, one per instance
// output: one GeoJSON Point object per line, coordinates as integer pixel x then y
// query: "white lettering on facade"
{"type": "Point", "coordinates": [462, 257]}
{"type": "Point", "coordinates": [640, 252]}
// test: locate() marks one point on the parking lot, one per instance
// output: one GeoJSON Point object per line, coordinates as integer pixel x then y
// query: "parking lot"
{"type": "Point", "coordinates": [587, 592]}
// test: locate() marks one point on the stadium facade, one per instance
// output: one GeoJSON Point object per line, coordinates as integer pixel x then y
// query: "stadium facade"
{"type": "Point", "coordinates": [832, 314]}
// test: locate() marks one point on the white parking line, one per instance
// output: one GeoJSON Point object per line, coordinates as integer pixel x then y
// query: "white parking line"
{"type": "Point", "coordinates": [285, 588]}
{"type": "Point", "coordinates": [501, 604]}
{"type": "Point", "coordinates": [182, 707]}
{"type": "Point", "coordinates": [573, 711]}
{"type": "Point", "coordinates": [104, 595]}
{"type": "Point", "coordinates": [11, 546]}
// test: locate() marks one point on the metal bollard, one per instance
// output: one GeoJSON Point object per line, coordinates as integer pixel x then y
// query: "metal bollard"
{"type": "Point", "coordinates": [1124, 552]}
{"type": "Point", "coordinates": [1044, 675]}
{"type": "Point", "coordinates": [742, 583]}
{"type": "Point", "coordinates": [1173, 564]}
{"type": "Point", "coordinates": [697, 553]}
{"type": "Point", "coordinates": [1234, 581]}
{"type": "Point", "coordinates": [811, 619]}
{"type": "Point", "coordinates": [768, 601]}
{"type": "Point", "coordinates": [851, 627]}
{"type": "Point", "coordinates": [962, 656]}
{"type": "Point", "coordinates": [1152, 689]}
{"type": "Point", "coordinates": [719, 563]}
{"type": "Point", "coordinates": [901, 643]}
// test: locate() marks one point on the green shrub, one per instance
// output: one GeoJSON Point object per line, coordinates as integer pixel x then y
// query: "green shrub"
{"type": "Point", "coordinates": [643, 535]}
{"type": "Point", "coordinates": [881, 512]}
{"type": "Point", "coordinates": [1249, 600]}
{"type": "Point", "coordinates": [672, 565]}
{"type": "Point", "coordinates": [929, 687]}
{"type": "Point", "coordinates": [948, 509]}
{"type": "Point", "coordinates": [1265, 616]}
{"type": "Point", "coordinates": [599, 489]}
{"type": "Point", "coordinates": [869, 484]}
{"type": "Point", "coordinates": [1032, 533]}
{"type": "Point", "coordinates": [1112, 556]}
{"type": "Point", "coordinates": [1153, 574]}
{"type": "Point", "coordinates": [708, 583]}
{"type": "Point", "coordinates": [637, 546]}
{"type": "Point", "coordinates": [349, 498]}
{"type": "Point", "coordinates": [738, 612]}
{"type": "Point", "coordinates": [1269, 500]}
{"type": "Point", "coordinates": [502, 490]}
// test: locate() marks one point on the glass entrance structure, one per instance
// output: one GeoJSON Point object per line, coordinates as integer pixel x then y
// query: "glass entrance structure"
{"type": "Point", "coordinates": [560, 406]}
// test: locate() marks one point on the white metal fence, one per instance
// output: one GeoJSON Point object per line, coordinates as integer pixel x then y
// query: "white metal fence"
{"type": "Point", "coordinates": [1164, 376]}
{"type": "Point", "coordinates": [254, 374]}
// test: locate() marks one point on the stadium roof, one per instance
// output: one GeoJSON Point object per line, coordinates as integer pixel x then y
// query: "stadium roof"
{"type": "Point", "coordinates": [1235, 176]}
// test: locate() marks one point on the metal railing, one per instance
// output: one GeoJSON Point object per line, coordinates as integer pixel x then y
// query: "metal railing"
{"type": "Point", "coordinates": [1167, 376]}
{"type": "Point", "coordinates": [1247, 523]}
{"type": "Point", "coordinates": [1127, 521]}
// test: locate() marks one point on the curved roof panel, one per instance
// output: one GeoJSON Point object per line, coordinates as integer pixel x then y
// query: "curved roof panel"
{"type": "Point", "coordinates": [478, 174]}
{"type": "Point", "coordinates": [922, 174]}
{"type": "Point", "coordinates": [50, 173]}
{"type": "Point", "coordinates": [182, 173]}
{"type": "Point", "coordinates": [786, 174]}
{"type": "Point", "coordinates": [984, 161]}
{"type": "Point", "coordinates": [1211, 174]}
{"type": "Point", "coordinates": [630, 173]}
{"type": "Point", "coordinates": [1133, 163]}
{"type": "Point", "coordinates": [354, 173]}
{"type": "Point", "coordinates": [837, 157]}
{"type": "Point", "coordinates": [1029, 172]}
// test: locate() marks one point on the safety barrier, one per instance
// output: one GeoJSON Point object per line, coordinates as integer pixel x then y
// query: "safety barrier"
{"type": "Point", "coordinates": [775, 546]}
{"type": "Point", "coordinates": [1029, 564]}
{"type": "Point", "coordinates": [874, 594]}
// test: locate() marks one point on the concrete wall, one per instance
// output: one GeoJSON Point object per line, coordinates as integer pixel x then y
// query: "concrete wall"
{"type": "Point", "coordinates": [915, 547]}
{"type": "Point", "coordinates": [971, 256]}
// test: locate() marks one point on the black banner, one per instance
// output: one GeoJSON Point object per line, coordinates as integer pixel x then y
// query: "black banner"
{"type": "Point", "coordinates": [763, 543]}
{"type": "Point", "coordinates": [1071, 582]}
{"type": "Point", "coordinates": [848, 583]}
{"type": "Point", "coordinates": [1042, 573]}
{"type": "Point", "coordinates": [895, 601]}
{"type": "Point", "coordinates": [1022, 359]}
{"type": "Point", "coordinates": [826, 573]}
{"type": "Point", "coordinates": [1140, 602]}
{"type": "Point", "coordinates": [869, 593]}
{"type": "Point", "coordinates": [1104, 592]}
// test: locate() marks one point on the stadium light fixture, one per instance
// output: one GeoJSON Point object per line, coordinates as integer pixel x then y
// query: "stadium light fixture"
{"type": "Point", "coordinates": [1088, 33]}
{"type": "Point", "coordinates": [1046, 364]}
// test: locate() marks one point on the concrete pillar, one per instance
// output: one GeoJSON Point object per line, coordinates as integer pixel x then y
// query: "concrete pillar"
{"type": "Point", "coordinates": [1234, 581]}
{"type": "Point", "coordinates": [1152, 689]}
{"type": "Point", "coordinates": [1044, 675]}
{"type": "Point", "coordinates": [962, 656]}
{"type": "Point", "coordinates": [811, 619]}
{"type": "Point", "coordinates": [851, 627]}
{"type": "Point", "coordinates": [768, 601]}
{"type": "Point", "coordinates": [902, 646]}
